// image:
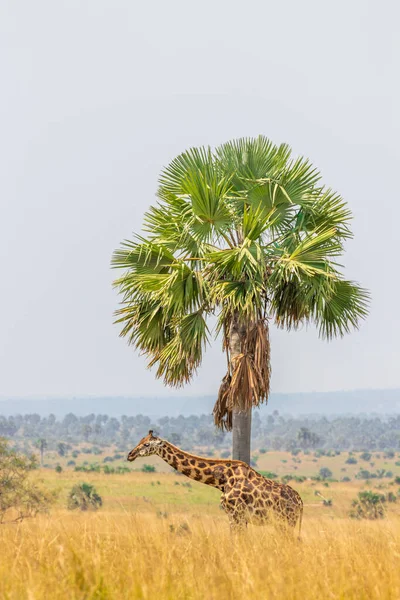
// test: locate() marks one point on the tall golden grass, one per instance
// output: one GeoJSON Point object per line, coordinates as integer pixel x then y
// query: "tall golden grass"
{"type": "Point", "coordinates": [109, 555]}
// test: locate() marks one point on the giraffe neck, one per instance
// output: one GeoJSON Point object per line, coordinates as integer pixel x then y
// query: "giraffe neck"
{"type": "Point", "coordinates": [200, 469]}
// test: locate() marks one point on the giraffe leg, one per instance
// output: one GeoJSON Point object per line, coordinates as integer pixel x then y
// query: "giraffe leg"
{"type": "Point", "coordinates": [237, 517]}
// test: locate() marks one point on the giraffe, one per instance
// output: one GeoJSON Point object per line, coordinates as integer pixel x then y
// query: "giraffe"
{"type": "Point", "coordinates": [247, 496]}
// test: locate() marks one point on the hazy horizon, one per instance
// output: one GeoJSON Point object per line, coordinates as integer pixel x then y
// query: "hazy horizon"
{"type": "Point", "coordinates": [97, 98]}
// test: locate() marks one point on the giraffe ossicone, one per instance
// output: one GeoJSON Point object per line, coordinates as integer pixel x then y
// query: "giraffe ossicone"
{"type": "Point", "coordinates": [247, 496]}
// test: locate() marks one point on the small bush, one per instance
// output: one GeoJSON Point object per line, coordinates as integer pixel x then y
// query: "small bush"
{"type": "Point", "coordinates": [351, 461]}
{"type": "Point", "coordinates": [366, 456]}
{"type": "Point", "coordinates": [269, 474]}
{"type": "Point", "coordinates": [71, 463]}
{"type": "Point", "coordinates": [263, 451]}
{"type": "Point", "coordinates": [346, 479]}
{"type": "Point", "coordinates": [325, 473]}
{"type": "Point", "coordinates": [107, 470]}
{"type": "Point", "coordinates": [368, 505]}
{"type": "Point", "coordinates": [83, 496]}
{"type": "Point", "coordinates": [59, 469]}
{"type": "Point", "coordinates": [148, 469]}
{"type": "Point", "coordinates": [19, 497]}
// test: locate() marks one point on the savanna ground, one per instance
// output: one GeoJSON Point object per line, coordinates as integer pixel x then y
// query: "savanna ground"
{"type": "Point", "coordinates": [158, 536]}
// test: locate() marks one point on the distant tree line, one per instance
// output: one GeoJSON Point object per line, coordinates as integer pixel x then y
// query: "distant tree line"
{"type": "Point", "coordinates": [274, 432]}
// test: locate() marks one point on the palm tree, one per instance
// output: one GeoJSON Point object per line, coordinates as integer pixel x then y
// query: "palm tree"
{"type": "Point", "coordinates": [41, 443]}
{"type": "Point", "coordinates": [252, 236]}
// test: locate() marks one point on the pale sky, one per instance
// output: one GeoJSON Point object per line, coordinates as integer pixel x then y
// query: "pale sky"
{"type": "Point", "coordinates": [97, 96]}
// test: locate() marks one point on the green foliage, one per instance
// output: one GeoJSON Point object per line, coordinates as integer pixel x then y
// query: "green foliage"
{"type": "Point", "coordinates": [366, 456]}
{"type": "Point", "coordinates": [86, 468]}
{"type": "Point", "coordinates": [148, 469]}
{"type": "Point", "coordinates": [269, 474]}
{"type": "Point", "coordinates": [243, 232]}
{"type": "Point", "coordinates": [83, 496]}
{"type": "Point", "coordinates": [351, 460]}
{"type": "Point", "coordinates": [58, 469]}
{"type": "Point", "coordinates": [19, 497]}
{"type": "Point", "coordinates": [368, 505]}
{"type": "Point", "coordinates": [325, 473]}
{"type": "Point", "coordinates": [291, 477]}
{"type": "Point", "coordinates": [61, 449]}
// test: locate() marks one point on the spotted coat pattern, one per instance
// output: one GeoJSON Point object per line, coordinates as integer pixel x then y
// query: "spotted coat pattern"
{"type": "Point", "coordinates": [247, 496]}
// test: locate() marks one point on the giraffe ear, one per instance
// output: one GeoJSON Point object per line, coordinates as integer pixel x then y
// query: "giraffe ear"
{"type": "Point", "coordinates": [151, 432]}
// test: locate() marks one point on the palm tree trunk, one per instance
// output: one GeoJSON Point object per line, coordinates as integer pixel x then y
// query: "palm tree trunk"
{"type": "Point", "coordinates": [241, 416]}
{"type": "Point", "coordinates": [241, 434]}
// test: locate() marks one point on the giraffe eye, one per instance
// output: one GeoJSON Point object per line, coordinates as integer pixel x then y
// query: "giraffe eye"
{"type": "Point", "coordinates": [147, 444]}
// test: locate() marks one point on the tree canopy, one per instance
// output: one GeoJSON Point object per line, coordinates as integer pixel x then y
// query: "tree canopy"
{"type": "Point", "coordinates": [247, 233]}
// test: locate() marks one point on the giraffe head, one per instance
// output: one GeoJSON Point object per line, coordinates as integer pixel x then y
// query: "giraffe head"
{"type": "Point", "coordinates": [147, 446]}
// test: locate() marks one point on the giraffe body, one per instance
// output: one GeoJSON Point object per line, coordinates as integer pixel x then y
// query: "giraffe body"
{"type": "Point", "coordinates": [247, 496]}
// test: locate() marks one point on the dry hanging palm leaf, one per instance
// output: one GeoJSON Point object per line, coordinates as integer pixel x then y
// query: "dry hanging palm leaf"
{"type": "Point", "coordinates": [249, 384]}
{"type": "Point", "coordinates": [222, 413]}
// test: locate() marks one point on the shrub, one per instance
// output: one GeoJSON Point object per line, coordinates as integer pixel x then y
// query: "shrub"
{"type": "Point", "coordinates": [368, 505]}
{"type": "Point", "coordinates": [58, 469]}
{"type": "Point", "coordinates": [364, 474]}
{"type": "Point", "coordinates": [122, 469]}
{"type": "Point", "coordinates": [83, 496]}
{"type": "Point", "coordinates": [290, 477]}
{"type": "Point", "coordinates": [389, 454]}
{"type": "Point", "coordinates": [108, 459]}
{"type": "Point", "coordinates": [17, 493]}
{"type": "Point", "coordinates": [263, 451]}
{"type": "Point", "coordinates": [268, 474]}
{"type": "Point", "coordinates": [71, 463]}
{"type": "Point", "coordinates": [346, 479]}
{"type": "Point", "coordinates": [325, 473]}
{"type": "Point", "coordinates": [75, 453]}
{"type": "Point", "coordinates": [148, 469]}
{"type": "Point", "coordinates": [366, 456]}
{"type": "Point", "coordinates": [107, 470]}
{"type": "Point", "coordinates": [351, 461]}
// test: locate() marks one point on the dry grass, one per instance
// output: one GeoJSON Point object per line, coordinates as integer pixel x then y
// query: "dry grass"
{"type": "Point", "coordinates": [107, 555]}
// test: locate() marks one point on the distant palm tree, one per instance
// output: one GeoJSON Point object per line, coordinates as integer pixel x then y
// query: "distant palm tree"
{"type": "Point", "coordinates": [252, 236]}
{"type": "Point", "coordinates": [41, 444]}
